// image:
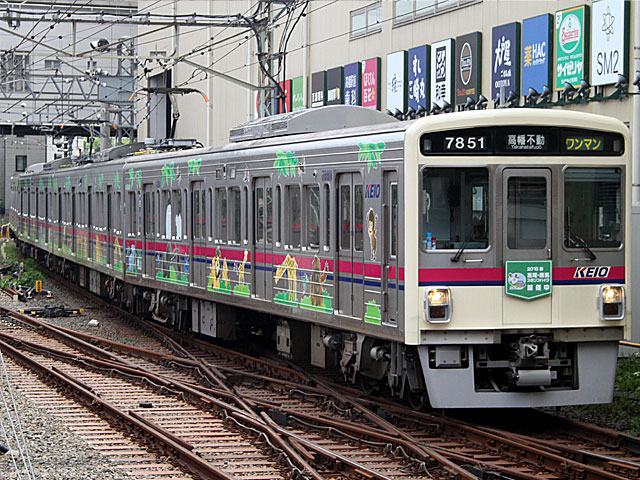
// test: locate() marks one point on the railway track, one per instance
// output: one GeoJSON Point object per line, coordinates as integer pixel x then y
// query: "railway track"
{"type": "Point", "coordinates": [326, 427]}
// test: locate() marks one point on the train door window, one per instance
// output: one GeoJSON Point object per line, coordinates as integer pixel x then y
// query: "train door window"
{"type": "Point", "coordinates": [293, 215]}
{"type": "Point", "coordinates": [260, 216]}
{"type": "Point", "coordinates": [221, 214]}
{"type": "Point", "coordinates": [147, 213]}
{"type": "Point", "coordinates": [358, 213]}
{"type": "Point", "coordinates": [197, 213]}
{"type": "Point", "coordinates": [117, 219]}
{"type": "Point", "coordinates": [527, 212]}
{"type": "Point", "coordinates": [269, 208]}
{"type": "Point", "coordinates": [393, 226]}
{"type": "Point", "coordinates": [312, 216]}
{"type": "Point", "coordinates": [168, 216]}
{"type": "Point", "coordinates": [132, 212]}
{"type": "Point", "coordinates": [210, 216]}
{"type": "Point", "coordinates": [593, 208]}
{"type": "Point", "coordinates": [278, 216]}
{"type": "Point", "coordinates": [327, 216]}
{"type": "Point", "coordinates": [345, 217]}
{"type": "Point", "coordinates": [236, 215]}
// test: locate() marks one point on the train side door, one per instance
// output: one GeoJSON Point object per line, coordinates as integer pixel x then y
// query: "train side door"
{"type": "Point", "coordinates": [197, 272]}
{"type": "Point", "coordinates": [350, 230]}
{"type": "Point", "coordinates": [109, 225]}
{"type": "Point", "coordinates": [389, 236]}
{"type": "Point", "coordinates": [262, 237]}
{"type": "Point", "coordinates": [149, 227]}
{"type": "Point", "coordinates": [526, 245]}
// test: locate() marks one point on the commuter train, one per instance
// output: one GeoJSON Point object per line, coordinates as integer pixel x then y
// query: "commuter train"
{"type": "Point", "coordinates": [470, 259]}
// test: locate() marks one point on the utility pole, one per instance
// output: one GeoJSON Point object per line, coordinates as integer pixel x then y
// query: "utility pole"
{"type": "Point", "coordinates": [265, 57]}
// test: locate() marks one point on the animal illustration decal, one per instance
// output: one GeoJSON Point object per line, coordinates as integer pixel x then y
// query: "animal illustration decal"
{"type": "Point", "coordinates": [290, 267]}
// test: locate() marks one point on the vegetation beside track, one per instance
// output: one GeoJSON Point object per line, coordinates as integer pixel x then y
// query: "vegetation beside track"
{"type": "Point", "coordinates": [623, 413]}
{"type": "Point", "coordinates": [23, 271]}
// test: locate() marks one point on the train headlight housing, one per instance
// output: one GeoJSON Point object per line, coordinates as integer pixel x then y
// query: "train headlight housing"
{"type": "Point", "coordinates": [612, 302]}
{"type": "Point", "coordinates": [437, 304]}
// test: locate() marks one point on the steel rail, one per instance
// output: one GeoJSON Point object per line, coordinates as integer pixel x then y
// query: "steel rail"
{"type": "Point", "coordinates": [184, 456]}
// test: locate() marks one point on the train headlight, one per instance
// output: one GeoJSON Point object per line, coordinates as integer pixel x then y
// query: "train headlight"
{"type": "Point", "coordinates": [437, 304]}
{"type": "Point", "coordinates": [612, 302]}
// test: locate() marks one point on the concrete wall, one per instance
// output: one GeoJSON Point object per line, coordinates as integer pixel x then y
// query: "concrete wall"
{"type": "Point", "coordinates": [34, 147]}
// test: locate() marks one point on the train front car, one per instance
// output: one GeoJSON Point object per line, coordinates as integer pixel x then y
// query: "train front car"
{"type": "Point", "coordinates": [519, 222]}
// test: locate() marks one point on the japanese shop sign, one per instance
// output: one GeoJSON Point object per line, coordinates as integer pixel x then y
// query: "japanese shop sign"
{"type": "Point", "coordinates": [334, 86]}
{"type": "Point", "coordinates": [352, 77]}
{"type": "Point", "coordinates": [609, 41]}
{"type": "Point", "coordinates": [397, 81]}
{"type": "Point", "coordinates": [537, 46]}
{"type": "Point", "coordinates": [284, 103]}
{"type": "Point", "coordinates": [468, 78]}
{"type": "Point", "coordinates": [528, 279]}
{"type": "Point", "coordinates": [318, 89]}
{"type": "Point", "coordinates": [505, 59]}
{"type": "Point", "coordinates": [572, 35]}
{"type": "Point", "coordinates": [418, 77]}
{"type": "Point", "coordinates": [371, 83]}
{"type": "Point", "coordinates": [297, 94]}
{"type": "Point", "coordinates": [442, 72]}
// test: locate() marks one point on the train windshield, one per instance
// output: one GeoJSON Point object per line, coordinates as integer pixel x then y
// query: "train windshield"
{"type": "Point", "coordinates": [592, 207]}
{"type": "Point", "coordinates": [455, 204]}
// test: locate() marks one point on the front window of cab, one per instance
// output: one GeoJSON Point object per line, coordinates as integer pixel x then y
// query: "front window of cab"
{"type": "Point", "coordinates": [592, 207]}
{"type": "Point", "coordinates": [454, 208]}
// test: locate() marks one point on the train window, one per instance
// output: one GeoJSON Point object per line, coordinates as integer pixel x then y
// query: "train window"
{"type": "Point", "coordinates": [358, 217]}
{"type": "Point", "coordinates": [236, 215]}
{"type": "Point", "coordinates": [527, 212]}
{"type": "Point", "coordinates": [259, 215]}
{"type": "Point", "coordinates": [345, 217]}
{"type": "Point", "coordinates": [166, 208]}
{"type": "Point", "coordinates": [210, 215]}
{"type": "Point", "coordinates": [147, 213]}
{"type": "Point", "coordinates": [245, 213]}
{"type": "Point", "coordinates": [176, 209]}
{"type": "Point", "coordinates": [221, 214]}
{"type": "Point", "coordinates": [593, 207]}
{"type": "Point", "coordinates": [327, 216]}
{"type": "Point", "coordinates": [269, 215]}
{"type": "Point", "coordinates": [293, 215]}
{"type": "Point", "coordinates": [454, 208]}
{"type": "Point", "coordinates": [312, 216]}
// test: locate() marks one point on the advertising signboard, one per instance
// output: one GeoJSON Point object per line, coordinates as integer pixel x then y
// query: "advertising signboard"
{"type": "Point", "coordinates": [352, 83]}
{"type": "Point", "coordinates": [468, 71]}
{"type": "Point", "coordinates": [318, 89]}
{"type": "Point", "coordinates": [537, 48]}
{"type": "Point", "coordinates": [284, 104]}
{"type": "Point", "coordinates": [505, 59]}
{"type": "Point", "coordinates": [609, 41]}
{"type": "Point", "coordinates": [572, 46]}
{"type": "Point", "coordinates": [335, 77]}
{"type": "Point", "coordinates": [442, 72]}
{"type": "Point", "coordinates": [297, 94]}
{"type": "Point", "coordinates": [418, 77]}
{"type": "Point", "coordinates": [397, 81]}
{"type": "Point", "coordinates": [371, 83]}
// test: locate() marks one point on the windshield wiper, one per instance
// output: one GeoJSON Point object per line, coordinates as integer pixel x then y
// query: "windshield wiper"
{"type": "Point", "coordinates": [580, 242]}
{"type": "Point", "coordinates": [456, 257]}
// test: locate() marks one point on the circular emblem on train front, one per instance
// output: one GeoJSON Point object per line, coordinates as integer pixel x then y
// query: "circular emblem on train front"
{"type": "Point", "coordinates": [466, 63]}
